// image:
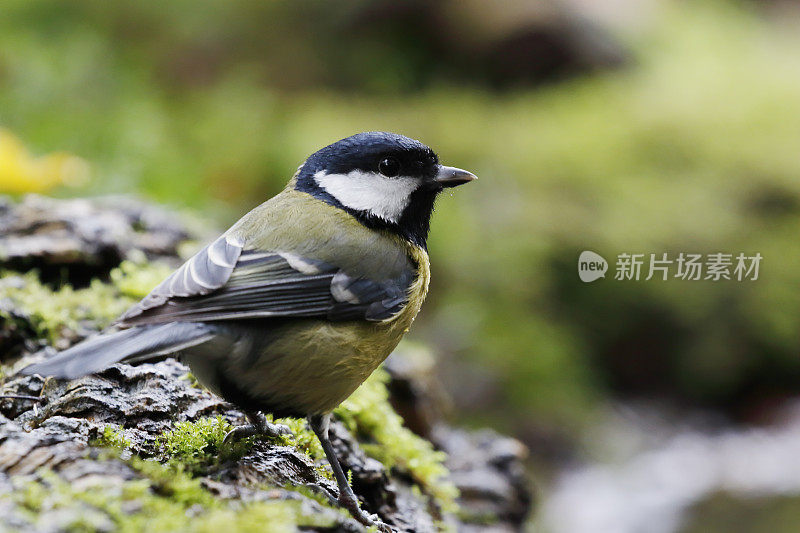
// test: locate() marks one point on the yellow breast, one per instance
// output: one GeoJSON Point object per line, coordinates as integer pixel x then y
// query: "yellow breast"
{"type": "Point", "coordinates": [317, 364]}
{"type": "Point", "coordinates": [418, 289]}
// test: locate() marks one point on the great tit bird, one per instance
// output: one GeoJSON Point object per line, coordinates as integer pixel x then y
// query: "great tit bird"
{"type": "Point", "coordinates": [293, 307]}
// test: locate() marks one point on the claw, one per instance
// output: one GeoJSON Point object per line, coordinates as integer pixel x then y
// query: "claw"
{"type": "Point", "coordinates": [259, 426]}
{"type": "Point", "coordinates": [349, 502]}
{"type": "Point", "coordinates": [239, 433]}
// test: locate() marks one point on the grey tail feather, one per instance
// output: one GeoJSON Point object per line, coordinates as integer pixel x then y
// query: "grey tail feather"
{"type": "Point", "coordinates": [97, 353]}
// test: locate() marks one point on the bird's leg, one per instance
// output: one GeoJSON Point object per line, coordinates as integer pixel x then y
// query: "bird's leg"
{"type": "Point", "coordinates": [347, 499]}
{"type": "Point", "coordinates": [259, 425]}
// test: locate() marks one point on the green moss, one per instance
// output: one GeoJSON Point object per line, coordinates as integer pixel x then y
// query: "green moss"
{"type": "Point", "coordinates": [173, 482]}
{"type": "Point", "coordinates": [32, 497]}
{"type": "Point", "coordinates": [301, 438]}
{"type": "Point", "coordinates": [198, 445]}
{"type": "Point", "coordinates": [191, 379]}
{"type": "Point", "coordinates": [163, 500]}
{"type": "Point", "coordinates": [195, 446]}
{"type": "Point", "coordinates": [112, 437]}
{"type": "Point", "coordinates": [137, 279]}
{"type": "Point", "coordinates": [51, 312]}
{"type": "Point", "coordinates": [368, 413]}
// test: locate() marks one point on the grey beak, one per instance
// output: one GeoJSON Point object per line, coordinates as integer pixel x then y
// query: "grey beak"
{"type": "Point", "coordinates": [452, 176]}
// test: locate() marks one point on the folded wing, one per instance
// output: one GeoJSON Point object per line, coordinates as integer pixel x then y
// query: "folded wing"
{"type": "Point", "coordinates": [226, 282]}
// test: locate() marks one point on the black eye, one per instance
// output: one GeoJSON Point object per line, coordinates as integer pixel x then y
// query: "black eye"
{"type": "Point", "coordinates": [389, 167]}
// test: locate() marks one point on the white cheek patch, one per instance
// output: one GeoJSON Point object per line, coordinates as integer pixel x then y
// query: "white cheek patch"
{"type": "Point", "coordinates": [383, 197]}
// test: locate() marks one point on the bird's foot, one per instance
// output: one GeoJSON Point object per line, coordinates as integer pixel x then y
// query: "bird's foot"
{"type": "Point", "coordinates": [259, 426]}
{"type": "Point", "coordinates": [347, 498]}
{"type": "Point", "coordinates": [349, 502]}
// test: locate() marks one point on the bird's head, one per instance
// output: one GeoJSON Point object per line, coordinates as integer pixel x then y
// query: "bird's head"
{"type": "Point", "coordinates": [385, 180]}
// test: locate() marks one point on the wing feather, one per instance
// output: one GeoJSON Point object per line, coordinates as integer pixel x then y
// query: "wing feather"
{"type": "Point", "coordinates": [206, 271]}
{"type": "Point", "coordinates": [225, 282]}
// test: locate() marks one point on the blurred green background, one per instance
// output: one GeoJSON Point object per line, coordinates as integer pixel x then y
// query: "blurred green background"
{"type": "Point", "coordinates": [614, 126]}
